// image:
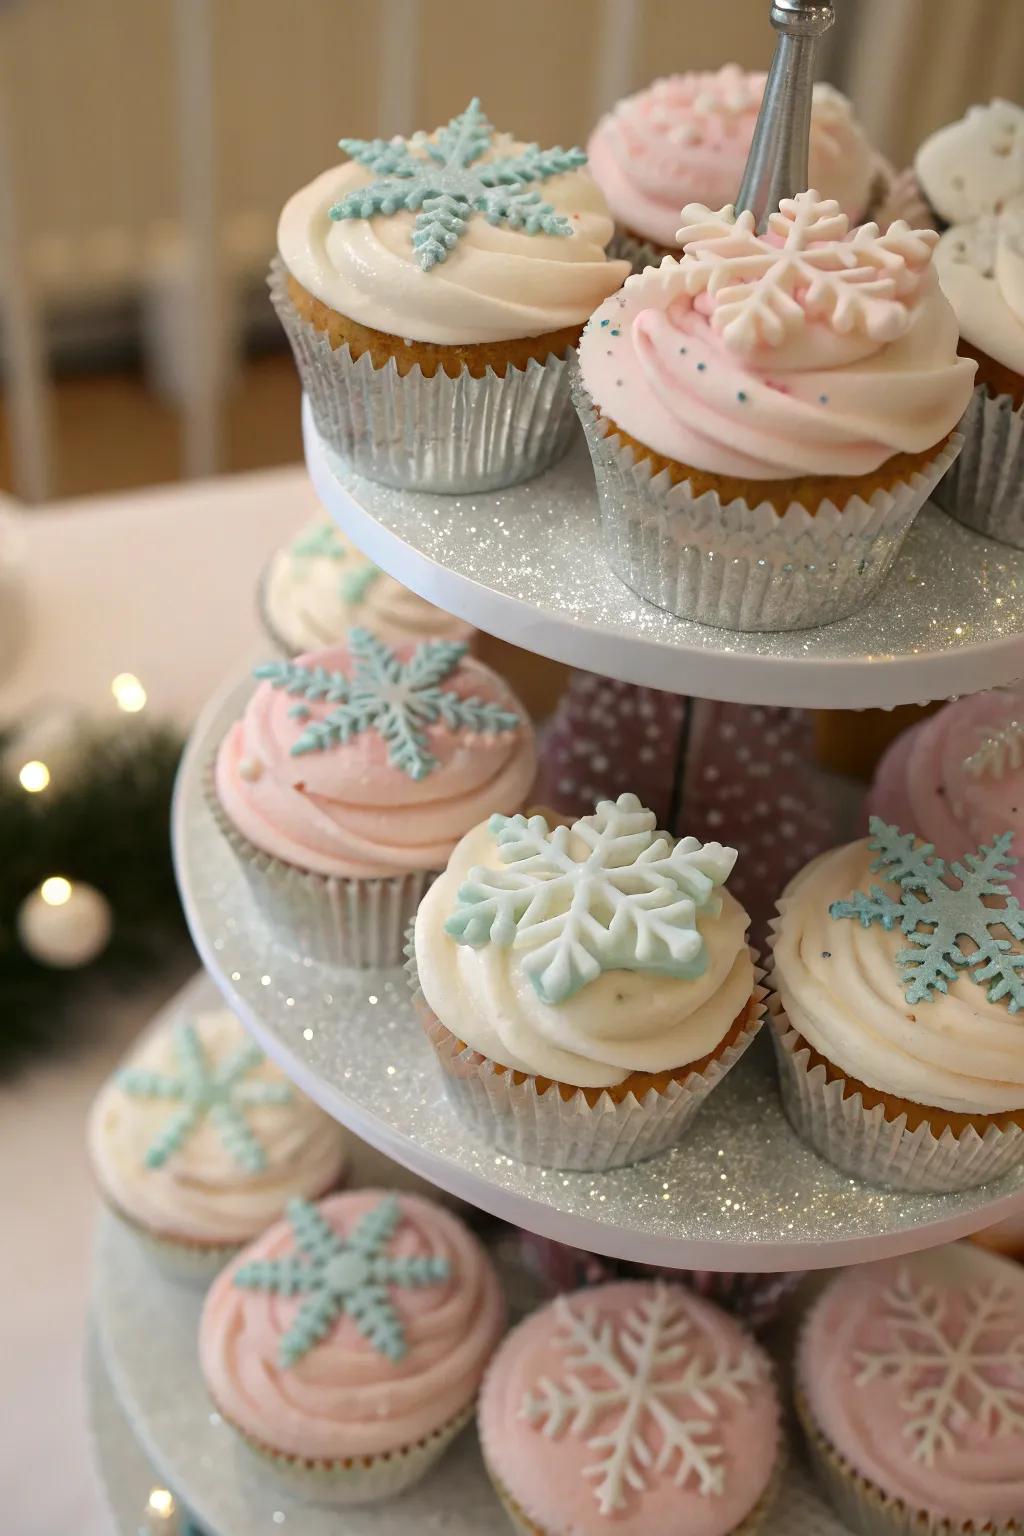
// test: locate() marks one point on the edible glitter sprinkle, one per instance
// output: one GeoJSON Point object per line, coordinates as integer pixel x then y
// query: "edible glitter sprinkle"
{"type": "Point", "coordinates": [701, 367]}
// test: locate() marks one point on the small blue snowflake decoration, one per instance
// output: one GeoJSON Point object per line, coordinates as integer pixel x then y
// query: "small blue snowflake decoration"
{"type": "Point", "coordinates": [937, 917]}
{"type": "Point", "coordinates": [339, 1276]}
{"type": "Point", "coordinates": [320, 542]}
{"type": "Point", "coordinates": [612, 893]}
{"type": "Point", "coordinates": [397, 699]}
{"type": "Point", "coordinates": [445, 178]}
{"type": "Point", "coordinates": [202, 1091]}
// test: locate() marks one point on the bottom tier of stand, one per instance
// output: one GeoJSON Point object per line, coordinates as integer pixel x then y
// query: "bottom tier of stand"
{"type": "Point", "coordinates": [146, 1330]}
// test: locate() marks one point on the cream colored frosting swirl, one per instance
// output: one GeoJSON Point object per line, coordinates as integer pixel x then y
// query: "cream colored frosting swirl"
{"type": "Point", "coordinates": [497, 284]}
{"type": "Point", "coordinates": [975, 165]}
{"type": "Point", "coordinates": [981, 269]}
{"type": "Point", "coordinates": [320, 586]}
{"type": "Point", "coordinates": [622, 1022]}
{"type": "Point", "coordinates": [343, 1398]}
{"type": "Point", "coordinates": [841, 988]}
{"type": "Point", "coordinates": [202, 1194]}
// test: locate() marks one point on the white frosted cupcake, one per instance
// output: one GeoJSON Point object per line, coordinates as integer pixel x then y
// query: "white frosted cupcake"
{"type": "Point", "coordinates": [432, 289]}
{"type": "Point", "coordinates": [346, 1345]}
{"type": "Point", "coordinates": [584, 988]}
{"type": "Point", "coordinates": [899, 1011]}
{"type": "Point", "coordinates": [320, 586]}
{"type": "Point", "coordinates": [199, 1142]}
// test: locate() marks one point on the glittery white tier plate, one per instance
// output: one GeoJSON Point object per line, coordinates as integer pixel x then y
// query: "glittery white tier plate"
{"type": "Point", "coordinates": [525, 564]}
{"type": "Point", "coordinates": [147, 1328]}
{"type": "Point", "coordinates": [739, 1193]}
{"type": "Point", "coordinates": [124, 1472]}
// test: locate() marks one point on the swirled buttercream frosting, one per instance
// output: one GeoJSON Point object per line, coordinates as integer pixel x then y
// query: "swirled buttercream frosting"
{"type": "Point", "coordinates": [376, 1373]}
{"type": "Point", "coordinates": [974, 166]}
{"type": "Point", "coordinates": [981, 269]}
{"type": "Point", "coordinates": [365, 760]}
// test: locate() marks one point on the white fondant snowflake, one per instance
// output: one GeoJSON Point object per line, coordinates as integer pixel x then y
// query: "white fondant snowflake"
{"type": "Point", "coordinates": [999, 754]}
{"type": "Point", "coordinates": [951, 1380]}
{"type": "Point", "coordinates": [630, 902]}
{"type": "Point", "coordinates": [809, 265]}
{"type": "Point", "coordinates": [937, 917]}
{"type": "Point", "coordinates": [446, 179]}
{"type": "Point", "coordinates": [656, 1396]}
{"type": "Point", "coordinates": [398, 699]}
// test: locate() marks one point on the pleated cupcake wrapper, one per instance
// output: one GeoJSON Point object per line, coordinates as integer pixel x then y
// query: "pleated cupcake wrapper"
{"type": "Point", "coordinates": [749, 1526]}
{"type": "Point", "coordinates": [869, 1145]}
{"type": "Point", "coordinates": [354, 924]}
{"type": "Point", "coordinates": [552, 1132]}
{"type": "Point", "coordinates": [639, 253]}
{"type": "Point", "coordinates": [361, 1480]}
{"type": "Point", "coordinates": [457, 436]}
{"type": "Point", "coordinates": [196, 1264]}
{"type": "Point", "coordinates": [740, 567]}
{"type": "Point", "coordinates": [862, 1506]}
{"type": "Point", "coordinates": [984, 489]}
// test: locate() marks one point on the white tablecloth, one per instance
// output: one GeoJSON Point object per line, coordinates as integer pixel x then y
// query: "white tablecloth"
{"type": "Point", "coordinates": [160, 584]}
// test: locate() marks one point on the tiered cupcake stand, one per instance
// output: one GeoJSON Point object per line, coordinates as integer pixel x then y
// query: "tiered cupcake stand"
{"type": "Point", "coordinates": [741, 1192]}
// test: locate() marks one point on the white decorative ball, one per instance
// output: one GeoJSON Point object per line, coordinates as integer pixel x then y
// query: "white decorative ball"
{"type": "Point", "coordinates": [64, 923]}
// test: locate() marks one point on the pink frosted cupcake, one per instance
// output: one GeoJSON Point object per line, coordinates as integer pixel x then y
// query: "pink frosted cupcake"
{"type": "Point", "coordinates": [349, 779]}
{"type": "Point", "coordinates": [685, 139]}
{"type": "Point", "coordinates": [346, 1345]}
{"type": "Point", "coordinates": [957, 778]}
{"type": "Point", "coordinates": [633, 1407]}
{"type": "Point", "coordinates": [910, 1385]}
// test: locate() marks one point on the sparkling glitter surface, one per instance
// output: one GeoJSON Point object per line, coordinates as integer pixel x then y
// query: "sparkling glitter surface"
{"type": "Point", "coordinates": [125, 1472]}
{"type": "Point", "coordinates": [525, 563]}
{"type": "Point", "coordinates": [147, 1330]}
{"type": "Point", "coordinates": [740, 1192]}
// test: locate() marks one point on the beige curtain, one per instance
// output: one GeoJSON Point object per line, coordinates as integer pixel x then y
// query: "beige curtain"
{"type": "Point", "coordinates": [912, 65]}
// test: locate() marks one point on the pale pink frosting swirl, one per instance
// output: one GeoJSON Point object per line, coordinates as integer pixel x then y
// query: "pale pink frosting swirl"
{"type": "Point", "coordinates": [974, 1474]}
{"type": "Point", "coordinates": [548, 1474]}
{"type": "Point", "coordinates": [685, 139]}
{"type": "Point", "coordinates": [925, 783]}
{"type": "Point", "coordinates": [820, 404]}
{"type": "Point", "coordinates": [347, 811]}
{"type": "Point", "coordinates": [343, 1398]}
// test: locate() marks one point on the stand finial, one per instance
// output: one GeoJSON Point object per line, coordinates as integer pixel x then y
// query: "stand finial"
{"type": "Point", "coordinates": [777, 163]}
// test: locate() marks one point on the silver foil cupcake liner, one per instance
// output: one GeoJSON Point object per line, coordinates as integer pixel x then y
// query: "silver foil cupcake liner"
{"type": "Point", "coordinates": [355, 924]}
{"type": "Point", "coordinates": [864, 1509]}
{"type": "Point", "coordinates": [984, 489]}
{"type": "Point", "coordinates": [457, 436]}
{"type": "Point", "coordinates": [553, 1132]}
{"type": "Point", "coordinates": [624, 246]}
{"type": "Point", "coordinates": [740, 567]}
{"type": "Point", "coordinates": [196, 1264]}
{"type": "Point", "coordinates": [869, 1145]}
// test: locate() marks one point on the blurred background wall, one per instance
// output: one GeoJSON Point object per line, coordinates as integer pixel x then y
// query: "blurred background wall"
{"type": "Point", "coordinates": [147, 145]}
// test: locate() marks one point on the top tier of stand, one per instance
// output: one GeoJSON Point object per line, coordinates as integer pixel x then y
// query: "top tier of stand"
{"type": "Point", "coordinates": [526, 564]}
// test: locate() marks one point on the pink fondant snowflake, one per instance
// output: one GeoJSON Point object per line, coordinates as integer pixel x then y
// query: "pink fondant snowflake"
{"type": "Point", "coordinates": [761, 289]}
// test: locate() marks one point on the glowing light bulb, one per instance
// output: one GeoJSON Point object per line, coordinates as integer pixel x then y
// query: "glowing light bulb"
{"type": "Point", "coordinates": [56, 891]}
{"type": "Point", "coordinates": [34, 776]}
{"type": "Point", "coordinates": [161, 1502]}
{"type": "Point", "coordinates": [128, 692]}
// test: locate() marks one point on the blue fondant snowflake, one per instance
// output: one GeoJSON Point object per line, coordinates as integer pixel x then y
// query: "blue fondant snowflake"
{"type": "Point", "coordinates": [937, 918]}
{"type": "Point", "coordinates": [445, 178]}
{"type": "Point", "coordinates": [397, 699]}
{"type": "Point", "coordinates": [355, 584]}
{"type": "Point", "coordinates": [628, 901]}
{"type": "Point", "coordinates": [342, 1275]}
{"type": "Point", "coordinates": [320, 542]}
{"type": "Point", "coordinates": [202, 1091]}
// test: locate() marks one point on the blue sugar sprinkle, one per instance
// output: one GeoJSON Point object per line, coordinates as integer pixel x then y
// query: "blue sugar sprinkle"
{"type": "Point", "coordinates": [741, 394]}
{"type": "Point", "coordinates": [616, 331]}
{"type": "Point", "coordinates": [605, 322]}
{"type": "Point", "coordinates": [823, 399]}
{"type": "Point", "coordinates": [682, 350]}
{"type": "Point", "coordinates": [701, 367]}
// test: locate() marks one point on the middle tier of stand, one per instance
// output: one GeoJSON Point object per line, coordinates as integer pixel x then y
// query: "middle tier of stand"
{"type": "Point", "coordinates": [526, 564]}
{"type": "Point", "coordinates": [741, 1192]}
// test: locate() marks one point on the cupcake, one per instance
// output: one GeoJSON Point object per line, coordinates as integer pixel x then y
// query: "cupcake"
{"type": "Point", "coordinates": [910, 1386]}
{"type": "Point", "coordinates": [755, 1299]}
{"type": "Point", "coordinates": [686, 138]}
{"type": "Point", "coordinates": [764, 428]}
{"type": "Point", "coordinates": [575, 1029]}
{"type": "Point", "coordinates": [349, 779]}
{"type": "Point", "coordinates": [981, 268]}
{"type": "Point", "coordinates": [319, 587]}
{"type": "Point", "coordinates": [974, 166]}
{"type": "Point", "coordinates": [898, 1011]}
{"type": "Point", "coordinates": [432, 290]}
{"type": "Point", "coordinates": [957, 778]}
{"type": "Point", "coordinates": [633, 1407]}
{"type": "Point", "coordinates": [346, 1345]}
{"type": "Point", "coordinates": [199, 1143]}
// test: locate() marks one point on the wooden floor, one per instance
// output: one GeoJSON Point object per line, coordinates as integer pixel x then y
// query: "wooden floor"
{"type": "Point", "coordinates": [112, 432]}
